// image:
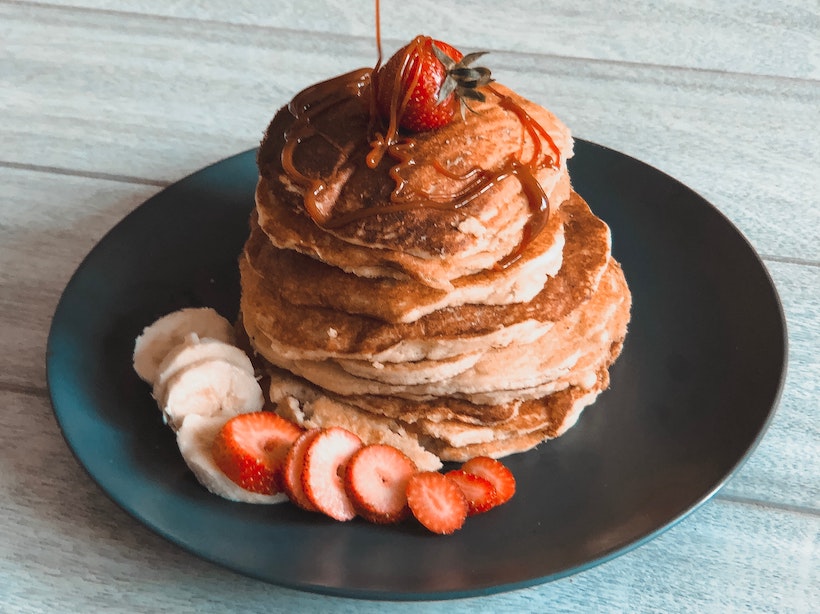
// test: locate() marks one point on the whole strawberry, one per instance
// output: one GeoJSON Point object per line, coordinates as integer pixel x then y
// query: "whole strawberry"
{"type": "Point", "coordinates": [426, 82]}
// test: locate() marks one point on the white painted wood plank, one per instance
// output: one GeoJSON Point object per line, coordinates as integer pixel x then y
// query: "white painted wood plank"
{"type": "Point", "coordinates": [159, 103]}
{"type": "Point", "coordinates": [778, 37]}
{"type": "Point", "coordinates": [65, 547]}
{"type": "Point", "coordinates": [172, 97]}
{"type": "Point", "coordinates": [48, 223]}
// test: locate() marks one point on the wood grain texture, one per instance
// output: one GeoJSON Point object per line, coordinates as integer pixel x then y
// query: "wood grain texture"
{"type": "Point", "coordinates": [106, 102]}
{"type": "Point", "coordinates": [775, 38]}
{"type": "Point", "coordinates": [49, 223]}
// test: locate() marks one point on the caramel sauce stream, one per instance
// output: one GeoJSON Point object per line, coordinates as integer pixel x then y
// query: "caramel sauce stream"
{"type": "Point", "coordinates": [405, 80]}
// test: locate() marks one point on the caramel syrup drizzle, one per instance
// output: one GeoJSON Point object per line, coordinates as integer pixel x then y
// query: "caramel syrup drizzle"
{"type": "Point", "coordinates": [322, 97]}
{"type": "Point", "coordinates": [316, 100]}
{"type": "Point", "coordinates": [404, 80]}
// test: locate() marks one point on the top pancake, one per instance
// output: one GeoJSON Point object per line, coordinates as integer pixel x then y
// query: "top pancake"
{"type": "Point", "coordinates": [429, 244]}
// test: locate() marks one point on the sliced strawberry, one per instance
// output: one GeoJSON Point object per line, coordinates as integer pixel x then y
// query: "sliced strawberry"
{"type": "Point", "coordinates": [376, 483]}
{"type": "Point", "coordinates": [292, 470]}
{"type": "Point", "coordinates": [323, 471]}
{"type": "Point", "coordinates": [496, 473]}
{"type": "Point", "coordinates": [437, 502]}
{"type": "Point", "coordinates": [479, 492]}
{"type": "Point", "coordinates": [250, 449]}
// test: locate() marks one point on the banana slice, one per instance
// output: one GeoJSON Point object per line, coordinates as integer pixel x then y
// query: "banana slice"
{"type": "Point", "coordinates": [195, 438]}
{"type": "Point", "coordinates": [159, 338]}
{"type": "Point", "coordinates": [194, 350]}
{"type": "Point", "coordinates": [210, 388]}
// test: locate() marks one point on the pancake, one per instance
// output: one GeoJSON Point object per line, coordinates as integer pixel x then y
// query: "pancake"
{"type": "Point", "coordinates": [282, 330]}
{"type": "Point", "coordinates": [431, 244]}
{"type": "Point", "coordinates": [287, 229]}
{"type": "Point", "coordinates": [528, 369]}
{"type": "Point", "coordinates": [429, 442]}
{"type": "Point", "coordinates": [304, 280]}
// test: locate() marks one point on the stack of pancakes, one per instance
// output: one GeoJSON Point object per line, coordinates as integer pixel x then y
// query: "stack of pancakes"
{"type": "Point", "coordinates": [399, 323]}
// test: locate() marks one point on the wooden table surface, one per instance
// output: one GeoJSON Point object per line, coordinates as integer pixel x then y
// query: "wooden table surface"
{"type": "Point", "coordinates": [104, 103]}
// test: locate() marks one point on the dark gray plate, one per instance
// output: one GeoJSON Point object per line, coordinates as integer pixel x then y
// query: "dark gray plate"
{"type": "Point", "coordinates": [691, 395]}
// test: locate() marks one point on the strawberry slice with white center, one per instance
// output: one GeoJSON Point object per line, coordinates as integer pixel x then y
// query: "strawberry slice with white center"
{"type": "Point", "coordinates": [376, 483]}
{"type": "Point", "coordinates": [323, 472]}
{"type": "Point", "coordinates": [494, 472]}
{"type": "Point", "coordinates": [250, 449]}
{"type": "Point", "coordinates": [292, 470]}
{"type": "Point", "coordinates": [479, 492]}
{"type": "Point", "coordinates": [437, 502]}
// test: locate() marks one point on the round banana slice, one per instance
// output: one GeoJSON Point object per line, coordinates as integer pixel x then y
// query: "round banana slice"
{"type": "Point", "coordinates": [195, 438]}
{"type": "Point", "coordinates": [158, 339]}
{"type": "Point", "coordinates": [210, 388]}
{"type": "Point", "coordinates": [194, 350]}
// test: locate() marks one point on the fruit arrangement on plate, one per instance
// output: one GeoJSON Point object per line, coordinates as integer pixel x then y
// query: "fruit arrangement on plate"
{"type": "Point", "coordinates": [208, 393]}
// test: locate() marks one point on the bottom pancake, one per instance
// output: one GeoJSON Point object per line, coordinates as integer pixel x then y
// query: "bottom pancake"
{"type": "Point", "coordinates": [429, 442]}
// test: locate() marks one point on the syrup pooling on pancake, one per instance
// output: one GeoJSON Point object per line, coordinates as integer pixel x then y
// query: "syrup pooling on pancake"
{"type": "Point", "coordinates": [304, 108]}
{"type": "Point", "coordinates": [327, 133]}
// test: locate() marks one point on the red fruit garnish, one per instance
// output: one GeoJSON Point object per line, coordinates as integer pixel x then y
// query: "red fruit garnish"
{"type": "Point", "coordinates": [292, 470]}
{"type": "Point", "coordinates": [251, 448]}
{"type": "Point", "coordinates": [494, 472]}
{"type": "Point", "coordinates": [437, 502]}
{"type": "Point", "coordinates": [323, 471]}
{"type": "Point", "coordinates": [479, 492]}
{"type": "Point", "coordinates": [426, 82]}
{"type": "Point", "coordinates": [376, 483]}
